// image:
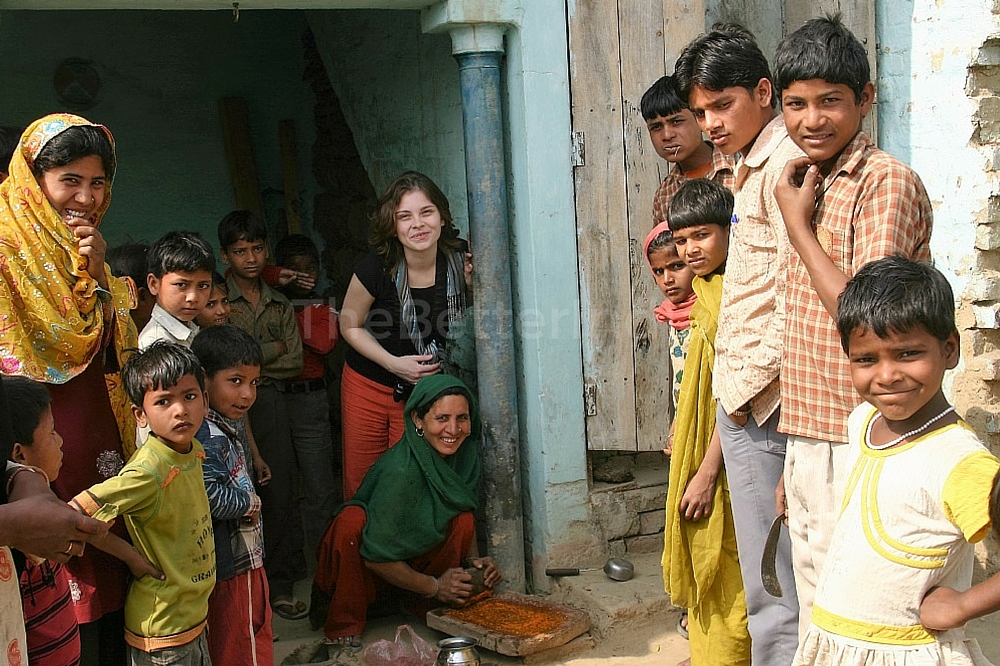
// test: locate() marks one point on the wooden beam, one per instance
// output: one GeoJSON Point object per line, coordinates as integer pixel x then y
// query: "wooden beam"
{"type": "Point", "coordinates": [238, 141]}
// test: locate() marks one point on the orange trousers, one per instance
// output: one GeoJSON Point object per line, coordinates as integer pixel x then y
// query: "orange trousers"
{"type": "Point", "coordinates": [372, 422]}
{"type": "Point", "coordinates": [342, 574]}
{"type": "Point", "coordinates": [239, 621]}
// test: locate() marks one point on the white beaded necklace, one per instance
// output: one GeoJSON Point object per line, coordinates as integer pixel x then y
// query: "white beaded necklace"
{"type": "Point", "coordinates": [915, 431]}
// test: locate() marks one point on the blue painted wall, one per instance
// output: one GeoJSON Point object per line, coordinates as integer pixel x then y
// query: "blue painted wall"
{"type": "Point", "coordinates": [163, 73]}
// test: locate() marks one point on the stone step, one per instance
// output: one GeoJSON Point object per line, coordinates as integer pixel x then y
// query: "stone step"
{"type": "Point", "coordinates": [616, 606]}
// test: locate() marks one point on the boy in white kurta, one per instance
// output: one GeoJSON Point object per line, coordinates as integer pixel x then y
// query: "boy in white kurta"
{"type": "Point", "coordinates": [918, 493]}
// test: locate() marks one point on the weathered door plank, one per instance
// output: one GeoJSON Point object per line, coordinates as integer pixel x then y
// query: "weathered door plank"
{"type": "Point", "coordinates": [602, 225]}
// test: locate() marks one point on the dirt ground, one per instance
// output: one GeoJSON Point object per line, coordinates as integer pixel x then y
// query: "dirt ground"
{"type": "Point", "coordinates": [642, 643]}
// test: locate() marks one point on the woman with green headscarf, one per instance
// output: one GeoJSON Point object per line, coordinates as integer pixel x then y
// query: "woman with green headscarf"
{"type": "Point", "coordinates": [410, 525]}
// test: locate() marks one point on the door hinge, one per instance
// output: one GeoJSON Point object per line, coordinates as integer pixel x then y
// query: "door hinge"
{"type": "Point", "coordinates": [590, 399]}
{"type": "Point", "coordinates": [579, 149]}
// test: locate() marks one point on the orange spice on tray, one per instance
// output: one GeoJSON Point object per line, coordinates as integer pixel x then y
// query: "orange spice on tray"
{"type": "Point", "coordinates": [476, 598]}
{"type": "Point", "coordinates": [509, 617]}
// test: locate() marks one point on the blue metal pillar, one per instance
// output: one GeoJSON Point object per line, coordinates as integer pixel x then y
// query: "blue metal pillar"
{"type": "Point", "coordinates": [478, 50]}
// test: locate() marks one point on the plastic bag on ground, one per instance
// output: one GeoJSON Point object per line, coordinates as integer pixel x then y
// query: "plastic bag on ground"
{"type": "Point", "coordinates": [401, 652]}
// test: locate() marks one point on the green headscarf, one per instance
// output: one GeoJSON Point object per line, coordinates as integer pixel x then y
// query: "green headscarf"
{"type": "Point", "coordinates": [411, 493]}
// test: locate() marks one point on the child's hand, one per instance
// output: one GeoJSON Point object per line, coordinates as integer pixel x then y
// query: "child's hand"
{"type": "Point", "coordinates": [698, 497]}
{"type": "Point", "coordinates": [262, 469]}
{"type": "Point", "coordinates": [781, 500]}
{"type": "Point", "coordinates": [254, 510]}
{"type": "Point", "coordinates": [669, 448]}
{"type": "Point", "coordinates": [303, 280]}
{"type": "Point", "coordinates": [795, 193]}
{"type": "Point", "coordinates": [941, 609]}
{"type": "Point", "coordinates": [140, 566]}
{"type": "Point", "coordinates": [467, 264]}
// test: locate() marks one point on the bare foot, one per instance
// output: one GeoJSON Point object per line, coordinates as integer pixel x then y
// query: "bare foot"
{"type": "Point", "coordinates": [686, 662]}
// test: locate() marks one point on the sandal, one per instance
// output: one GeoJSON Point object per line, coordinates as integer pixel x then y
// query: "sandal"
{"type": "Point", "coordinates": [346, 643]}
{"type": "Point", "coordinates": [289, 608]}
{"type": "Point", "coordinates": [682, 622]}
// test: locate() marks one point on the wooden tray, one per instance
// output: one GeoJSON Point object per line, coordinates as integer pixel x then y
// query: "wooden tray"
{"type": "Point", "coordinates": [573, 623]}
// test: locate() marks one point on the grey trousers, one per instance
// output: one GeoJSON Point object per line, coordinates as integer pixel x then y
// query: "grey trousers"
{"type": "Point", "coordinates": [755, 458]}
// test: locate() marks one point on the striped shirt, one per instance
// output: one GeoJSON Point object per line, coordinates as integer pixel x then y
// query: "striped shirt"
{"type": "Point", "coordinates": [871, 206]}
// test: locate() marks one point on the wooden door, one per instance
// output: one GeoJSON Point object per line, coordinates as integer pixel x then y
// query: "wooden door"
{"type": "Point", "coordinates": [617, 50]}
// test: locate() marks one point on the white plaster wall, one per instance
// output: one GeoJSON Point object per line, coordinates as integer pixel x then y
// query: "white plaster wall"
{"type": "Point", "coordinates": [925, 116]}
{"type": "Point", "coordinates": [400, 93]}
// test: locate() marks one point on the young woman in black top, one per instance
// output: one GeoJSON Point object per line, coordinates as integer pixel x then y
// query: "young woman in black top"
{"type": "Point", "coordinates": [399, 306]}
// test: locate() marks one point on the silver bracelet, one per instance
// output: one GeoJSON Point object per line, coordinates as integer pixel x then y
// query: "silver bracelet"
{"type": "Point", "coordinates": [437, 588]}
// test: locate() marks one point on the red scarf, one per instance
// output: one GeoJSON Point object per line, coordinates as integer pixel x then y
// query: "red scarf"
{"type": "Point", "coordinates": [678, 316]}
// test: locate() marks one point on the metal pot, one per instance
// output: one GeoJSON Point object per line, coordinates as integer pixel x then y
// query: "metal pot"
{"type": "Point", "coordinates": [457, 651]}
{"type": "Point", "coordinates": [618, 569]}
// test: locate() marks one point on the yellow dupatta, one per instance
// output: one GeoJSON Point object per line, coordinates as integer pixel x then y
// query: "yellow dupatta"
{"type": "Point", "coordinates": [52, 322]}
{"type": "Point", "coordinates": [691, 550]}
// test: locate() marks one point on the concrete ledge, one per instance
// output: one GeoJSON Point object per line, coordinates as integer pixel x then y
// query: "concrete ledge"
{"type": "Point", "coordinates": [615, 606]}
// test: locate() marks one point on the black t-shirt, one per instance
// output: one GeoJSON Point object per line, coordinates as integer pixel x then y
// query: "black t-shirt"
{"type": "Point", "coordinates": [384, 320]}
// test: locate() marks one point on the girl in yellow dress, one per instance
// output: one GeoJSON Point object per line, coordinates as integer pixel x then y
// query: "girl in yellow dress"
{"type": "Point", "coordinates": [701, 571]}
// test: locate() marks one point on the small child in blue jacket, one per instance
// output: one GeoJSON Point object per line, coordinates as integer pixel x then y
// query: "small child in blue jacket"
{"type": "Point", "coordinates": [239, 615]}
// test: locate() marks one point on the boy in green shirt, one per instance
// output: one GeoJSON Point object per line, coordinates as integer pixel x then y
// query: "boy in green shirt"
{"type": "Point", "coordinates": [161, 494]}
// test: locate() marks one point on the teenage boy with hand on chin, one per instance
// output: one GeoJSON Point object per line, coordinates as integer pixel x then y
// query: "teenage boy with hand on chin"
{"type": "Point", "coordinates": [845, 204]}
{"type": "Point", "coordinates": [727, 83]}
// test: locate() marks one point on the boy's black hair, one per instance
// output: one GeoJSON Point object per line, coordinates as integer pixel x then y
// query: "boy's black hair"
{"type": "Point", "coordinates": [700, 201]}
{"type": "Point", "coordinates": [130, 259]}
{"type": "Point", "coordinates": [896, 295]}
{"type": "Point", "coordinates": [177, 251]}
{"type": "Point", "coordinates": [75, 143]}
{"type": "Point", "coordinates": [159, 366]}
{"type": "Point", "coordinates": [219, 280]}
{"type": "Point", "coordinates": [662, 99]}
{"type": "Point", "coordinates": [294, 245]}
{"type": "Point", "coordinates": [27, 400]}
{"type": "Point", "coordinates": [10, 136]}
{"type": "Point", "coordinates": [241, 225]}
{"type": "Point", "coordinates": [224, 347]}
{"type": "Point", "coordinates": [727, 56]}
{"type": "Point", "coordinates": [823, 48]}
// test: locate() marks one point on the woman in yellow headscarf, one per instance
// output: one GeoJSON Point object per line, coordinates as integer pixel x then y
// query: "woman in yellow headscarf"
{"type": "Point", "coordinates": [64, 321]}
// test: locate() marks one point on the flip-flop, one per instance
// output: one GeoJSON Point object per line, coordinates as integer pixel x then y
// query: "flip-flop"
{"type": "Point", "coordinates": [346, 643]}
{"type": "Point", "coordinates": [681, 629]}
{"type": "Point", "coordinates": [289, 608]}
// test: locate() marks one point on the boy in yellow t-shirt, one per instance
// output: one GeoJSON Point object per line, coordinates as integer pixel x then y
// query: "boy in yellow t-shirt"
{"type": "Point", "coordinates": [161, 494]}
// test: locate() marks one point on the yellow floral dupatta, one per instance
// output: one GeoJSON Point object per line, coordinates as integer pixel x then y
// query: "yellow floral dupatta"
{"type": "Point", "coordinates": [52, 322]}
{"type": "Point", "coordinates": [692, 550]}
